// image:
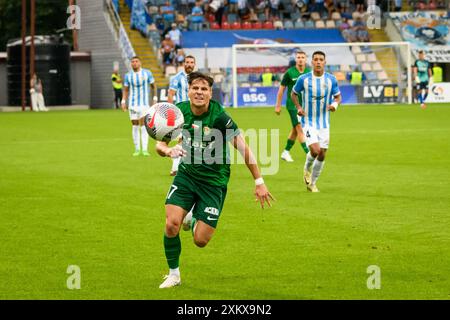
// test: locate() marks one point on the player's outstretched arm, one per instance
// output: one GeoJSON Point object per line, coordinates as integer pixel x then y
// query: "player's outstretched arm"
{"type": "Point", "coordinates": [279, 99]}
{"type": "Point", "coordinates": [262, 194]}
{"type": "Point", "coordinates": [163, 149]}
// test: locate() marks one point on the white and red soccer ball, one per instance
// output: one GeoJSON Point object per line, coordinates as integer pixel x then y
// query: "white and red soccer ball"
{"type": "Point", "coordinates": [164, 121]}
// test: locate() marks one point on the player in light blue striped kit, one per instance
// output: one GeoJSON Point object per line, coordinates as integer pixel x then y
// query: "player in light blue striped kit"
{"type": "Point", "coordinates": [179, 88]}
{"type": "Point", "coordinates": [136, 93]}
{"type": "Point", "coordinates": [320, 95]}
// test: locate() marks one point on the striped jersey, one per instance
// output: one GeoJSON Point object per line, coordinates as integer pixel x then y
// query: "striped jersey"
{"type": "Point", "coordinates": [138, 84]}
{"type": "Point", "coordinates": [317, 94]}
{"type": "Point", "coordinates": [179, 83]}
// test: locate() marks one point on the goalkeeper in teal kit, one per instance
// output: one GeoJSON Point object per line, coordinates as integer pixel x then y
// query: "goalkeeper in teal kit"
{"type": "Point", "coordinates": [204, 172]}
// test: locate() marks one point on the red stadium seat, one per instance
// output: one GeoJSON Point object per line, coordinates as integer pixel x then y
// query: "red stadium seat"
{"type": "Point", "coordinates": [257, 25]}
{"type": "Point", "coordinates": [211, 18]}
{"type": "Point", "coordinates": [236, 25]}
{"type": "Point", "coordinates": [246, 25]}
{"type": "Point", "coordinates": [268, 25]}
{"type": "Point", "coordinates": [225, 25]}
{"type": "Point", "coordinates": [214, 26]}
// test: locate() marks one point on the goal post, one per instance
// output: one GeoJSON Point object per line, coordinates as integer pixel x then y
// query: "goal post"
{"type": "Point", "coordinates": [386, 67]}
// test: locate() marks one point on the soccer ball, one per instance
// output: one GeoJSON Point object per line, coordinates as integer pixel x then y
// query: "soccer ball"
{"type": "Point", "coordinates": [164, 121]}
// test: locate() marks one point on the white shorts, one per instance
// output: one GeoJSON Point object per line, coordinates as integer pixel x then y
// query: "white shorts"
{"type": "Point", "coordinates": [314, 135]}
{"type": "Point", "coordinates": [137, 112]}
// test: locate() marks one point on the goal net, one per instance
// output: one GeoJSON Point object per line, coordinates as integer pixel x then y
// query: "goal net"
{"type": "Point", "coordinates": [385, 68]}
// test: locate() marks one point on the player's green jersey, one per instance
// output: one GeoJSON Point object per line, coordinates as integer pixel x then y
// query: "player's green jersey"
{"type": "Point", "coordinates": [205, 139]}
{"type": "Point", "coordinates": [289, 79]}
{"type": "Point", "coordinates": [422, 70]}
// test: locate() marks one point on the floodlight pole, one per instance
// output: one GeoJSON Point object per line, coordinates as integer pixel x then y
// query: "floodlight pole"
{"type": "Point", "coordinates": [24, 54]}
{"type": "Point", "coordinates": [74, 30]}
{"type": "Point", "coordinates": [32, 33]}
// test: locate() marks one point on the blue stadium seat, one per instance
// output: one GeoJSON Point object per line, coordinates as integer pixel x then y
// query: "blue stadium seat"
{"type": "Point", "coordinates": [299, 24]}
{"type": "Point", "coordinates": [288, 24]}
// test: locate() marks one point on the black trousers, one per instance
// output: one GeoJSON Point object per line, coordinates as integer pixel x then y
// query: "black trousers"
{"type": "Point", "coordinates": [118, 98]}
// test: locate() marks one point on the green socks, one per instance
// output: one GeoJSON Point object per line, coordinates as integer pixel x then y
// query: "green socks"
{"type": "Point", "coordinates": [305, 147]}
{"type": "Point", "coordinates": [289, 144]}
{"type": "Point", "coordinates": [172, 248]}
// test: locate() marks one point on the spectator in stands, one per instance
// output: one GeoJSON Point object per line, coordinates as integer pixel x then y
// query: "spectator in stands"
{"type": "Point", "coordinates": [359, 5]}
{"type": "Point", "coordinates": [197, 17]}
{"type": "Point", "coordinates": [232, 6]}
{"type": "Point", "coordinates": [277, 24]}
{"type": "Point", "coordinates": [217, 7]}
{"type": "Point", "coordinates": [359, 27]}
{"type": "Point", "coordinates": [302, 5]}
{"type": "Point", "coordinates": [243, 10]}
{"type": "Point", "coordinates": [168, 14]}
{"type": "Point", "coordinates": [274, 8]}
{"type": "Point", "coordinates": [356, 77]}
{"type": "Point", "coordinates": [329, 6]}
{"type": "Point", "coordinates": [319, 6]}
{"type": "Point", "coordinates": [347, 32]}
{"type": "Point", "coordinates": [175, 35]}
{"type": "Point", "coordinates": [179, 57]}
{"type": "Point", "coordinates": [117, 87]}
{"type": "Point", "coordinates": [267, 78]}
{"type": "Point", "coordinates": [260, 6]}
{"type": "Point", "coordinates": [167, 49]}
{"type": "Point", "coordinates": [398, 5]}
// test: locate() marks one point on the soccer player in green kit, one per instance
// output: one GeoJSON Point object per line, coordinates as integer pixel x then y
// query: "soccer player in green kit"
{"type": "Point", "coordinates": [289, 79]}
{"type": "Point", "coordinates": [204, 172]}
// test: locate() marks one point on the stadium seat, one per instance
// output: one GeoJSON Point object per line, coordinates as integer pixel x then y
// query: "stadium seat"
{"type": "Point", "coordinates": [153, 10]}
{"type": "Point", "coordinates": [309, 24]}
{"type": "Point", "coordinates": [268, 25]}
{"type": "Point", "coordinates": [170, 70]}
{"type": "Point", "coordinates": [288, 25]}
{"type": "Point", "coordinates": [340, 76]}
{"type": "Point", "coordinates": [315, 16]}
{"type": "Point", "coordinates": [214, 26]}
{"type": "Point", "coordinates": [215, 70]}
{"type": "Point", "coordinates": [356, 15]}
{"type": "Point", "coordinates": [336, 16]}
{"type": "Point", "coordinates": [232, 17]}
{"type": "Point", "coordinates": [299, 24]}
{"type": "Point", "coordinates": [295, 15]}
{"type": "Point", "coordinates": [366, 66]}
{"type": "Point", "coordinates": [371, 57]}
{"type": "Point", "coordinates": [257, 84]}
{"type": "Point", "coordinates": [361, 58]}
{"type": "Point", "coordinates": [261, 17]}
{"type": "Point", "coordinates": [246, 25]}
{"type": "Point", "coordinates": [225, 25]}
{"type": "Point", "coordinates": [257, 25]}
{"type": "Point", "coordinates": [377, 66]}
{"type": "Point", "coordinates": [235, 25]}
{"type": "Point", "coordinates": [330, 24]}
{"type": "Point", "coordinates": [350, 22]}
{"type": "Point", "coordinates": [356, 49]}
{"type": "Point", "coordinates": [345, 68]}
{"type": "Point", "coordinates": [382, 75]}
{"type": "Point", "coordinates": [211, 18]}
{"type": "Point", "coordinates": [320, 24]}
{"type": "Point", "coordinates": [371, 76]}
{"type": "Point", "coordinates": [277, 24]}
{"type": "Point", "coordinates": [245, 85]}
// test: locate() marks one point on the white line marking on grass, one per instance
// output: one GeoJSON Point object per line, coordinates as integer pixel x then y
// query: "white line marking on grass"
{"type": "Point", "coordinates": [64, 141]}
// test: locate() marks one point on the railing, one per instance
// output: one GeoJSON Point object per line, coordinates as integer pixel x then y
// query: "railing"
{"type": "Point", "coordinates": [120, 35]}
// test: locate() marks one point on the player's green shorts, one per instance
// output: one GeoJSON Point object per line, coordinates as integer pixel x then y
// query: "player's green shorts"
{"type": "Point", "coordinates": [186, 192]}
{"type": "Point", "coordinates": [294, 117]}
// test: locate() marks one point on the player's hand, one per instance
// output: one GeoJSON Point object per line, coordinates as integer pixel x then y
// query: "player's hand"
{"type": "Point", "coordinates": [301, 112]}
{"type": "Point", "coordinates": [332, 107]}
{"type": "Point", "coordinates": [263, 195]}
{"type": "Point", "coordinates": [278, 110]}
{"type": "Point", "coordinates": [176, 151]}
{"type": "Point", "coordinates": [124, 106]}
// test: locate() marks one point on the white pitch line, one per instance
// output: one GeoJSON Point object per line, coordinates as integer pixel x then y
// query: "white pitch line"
{"type": "Point", "coordinates": [64, 141]}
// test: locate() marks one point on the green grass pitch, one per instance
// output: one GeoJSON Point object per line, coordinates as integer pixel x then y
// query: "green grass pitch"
{"type": "Point", "coordinates": [72, 194]}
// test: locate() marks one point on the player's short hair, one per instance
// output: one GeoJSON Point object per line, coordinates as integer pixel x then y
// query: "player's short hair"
{"type": "Point", "coordinates": [198, 75]}
{"type": "Point", "coordinates": [421, 51]}
{"type": "Point", "coordinates": [300, 52]}
{"type": "Point", "coordinates": [190, 57]}
{"type": "Point", "coordinates": [319, 53]}
{"type": "Point", "coordinates": [136, 57]}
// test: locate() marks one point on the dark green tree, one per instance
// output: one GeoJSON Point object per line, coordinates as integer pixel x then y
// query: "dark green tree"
{"type": "Point", "coordinates": [51, 15]}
